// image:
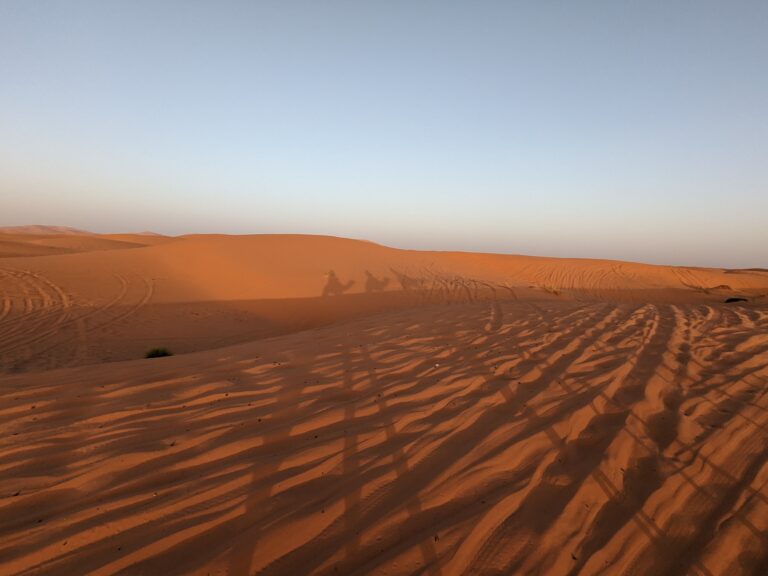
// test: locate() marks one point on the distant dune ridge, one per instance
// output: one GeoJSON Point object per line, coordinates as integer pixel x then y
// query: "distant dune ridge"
{"type": "Point", "coordinates": [40, 229]}
{"type": "Point", "coordinates": [335, 406]}
{"type": "Point", "coordinates": [20, 241]}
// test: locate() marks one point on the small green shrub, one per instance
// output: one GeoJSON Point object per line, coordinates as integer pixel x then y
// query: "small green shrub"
{"type": "Point", "coordinates": [158, 353]}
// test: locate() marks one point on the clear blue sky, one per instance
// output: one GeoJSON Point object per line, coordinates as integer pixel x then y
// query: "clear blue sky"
{"type": "Point", "coordinates": [631, 130]}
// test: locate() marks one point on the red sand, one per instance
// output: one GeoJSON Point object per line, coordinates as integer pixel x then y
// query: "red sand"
{"type": "Point", "coordinates": [453, 413]}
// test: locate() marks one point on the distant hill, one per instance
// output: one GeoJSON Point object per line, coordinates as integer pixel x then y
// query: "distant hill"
{"type": "Point", "coordinates": [42, 229]}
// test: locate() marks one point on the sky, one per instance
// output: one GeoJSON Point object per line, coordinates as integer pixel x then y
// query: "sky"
{"type": "Point", "coordinates": [629, 130]}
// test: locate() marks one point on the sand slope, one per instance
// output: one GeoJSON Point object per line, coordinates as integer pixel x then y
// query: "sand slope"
{"type": "Point", "coordinates": [14, 245]}
{"type": "Point", "coordinates": [441, 413]}
{"type": "Point", "coordinates": [122, 294]}
{"type": "Point", "coordinates": [38, 229]}
{"type": "Point", "coordinates": [540, 437]}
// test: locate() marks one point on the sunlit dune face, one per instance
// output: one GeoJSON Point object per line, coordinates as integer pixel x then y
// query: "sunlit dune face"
{"type": "Point", "coordinates": [94, 298]}
{"type": "Point", "coordinates": [299, 404]}
{"type": "Point", "coordinates": [455, 437]}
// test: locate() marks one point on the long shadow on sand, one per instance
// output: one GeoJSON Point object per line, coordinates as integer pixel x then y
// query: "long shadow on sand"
{"type": "Point", "coordinates": [456, 437]}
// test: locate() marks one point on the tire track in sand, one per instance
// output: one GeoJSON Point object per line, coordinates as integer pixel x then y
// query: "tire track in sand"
{"type": "Point", "coordinates": [47, 333]}
{"type": "Point", "coordinates": [83, 329]}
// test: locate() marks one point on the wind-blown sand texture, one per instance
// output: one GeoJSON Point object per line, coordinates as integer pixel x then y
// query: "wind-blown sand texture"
{"type": "Point", "coordinates": [449, 413]}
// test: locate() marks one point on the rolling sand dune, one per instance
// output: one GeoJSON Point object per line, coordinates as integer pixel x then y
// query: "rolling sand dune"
{"type": "Point", "coordinates": [116, 296]}
{"type": "Point", "coordinates": [408, 413]}
{"type": "Point", "coordinates": [38, 229]}
{"type": "Point", "coordinates": [37, 244]}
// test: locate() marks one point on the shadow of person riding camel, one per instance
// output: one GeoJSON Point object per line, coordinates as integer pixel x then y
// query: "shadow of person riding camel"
{"type": "Point", "coordinates": [334, 286]}
{"type": "Point", "coordinates": [373, 284]}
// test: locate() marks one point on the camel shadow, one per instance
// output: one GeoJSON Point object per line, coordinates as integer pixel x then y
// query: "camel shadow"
{"type": "Point", "coordinates": [334, 286]}
{"type": "Point", "coordinates": [374, 284]}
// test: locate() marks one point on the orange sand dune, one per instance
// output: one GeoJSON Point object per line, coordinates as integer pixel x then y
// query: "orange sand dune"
{"type": "Point", "coordinates": [538, 437]}
{"type": "Point", "coordinates": [45, 244]}
{"type": "Point", "coordinates": [348, 408]}
{"type": "Point", "coordinates": [38, 229]}
{"type": "Point", "coordinates": [198, 292]}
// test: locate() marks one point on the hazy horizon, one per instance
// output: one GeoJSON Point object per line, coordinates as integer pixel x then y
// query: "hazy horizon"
{"type": "Point", "coordinates": [636, 133]}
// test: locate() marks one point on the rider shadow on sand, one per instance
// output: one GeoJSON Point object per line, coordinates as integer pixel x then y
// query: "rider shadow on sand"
{"type": "Point", "coordinates": [334, 286]}
{"type": "Point", "coordinates": [374, 284]}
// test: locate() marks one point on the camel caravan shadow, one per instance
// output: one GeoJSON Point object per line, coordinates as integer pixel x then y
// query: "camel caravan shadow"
{"type": "Point", "coordinates": [422, 287]}
{"type": "Point", "coordinates": [382, 293]}
{"type": "Point", "coordinates": [335, 287]}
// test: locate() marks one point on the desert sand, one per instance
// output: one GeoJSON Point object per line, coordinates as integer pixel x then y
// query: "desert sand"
{"type": "Point", "coordinates": [339, 407]}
